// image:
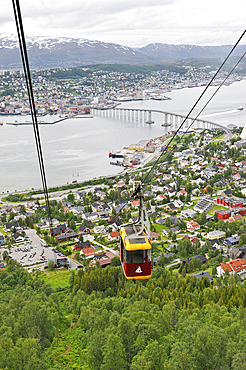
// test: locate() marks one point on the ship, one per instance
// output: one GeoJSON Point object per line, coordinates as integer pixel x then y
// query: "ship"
{"type": "Point", "coordinates": [115, 155]}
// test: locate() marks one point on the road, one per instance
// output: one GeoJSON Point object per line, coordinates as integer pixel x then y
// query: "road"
{"type": "Point", "coordinates": [117, 253]}
{"type": "Point", "coordinates": [174, 262]}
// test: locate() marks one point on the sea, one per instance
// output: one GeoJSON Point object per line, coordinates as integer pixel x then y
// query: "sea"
{"type": "Point", "coordinates": [77, 149]}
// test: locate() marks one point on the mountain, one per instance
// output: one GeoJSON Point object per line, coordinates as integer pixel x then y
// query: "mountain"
{"type": "Point", "coordinates": [45, 52]}
{"type": "Point", "coordinates": [171, 52]}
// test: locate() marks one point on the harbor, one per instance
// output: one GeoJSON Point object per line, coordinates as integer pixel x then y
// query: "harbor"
{"type": "Point", "coordinates": [81, 146]}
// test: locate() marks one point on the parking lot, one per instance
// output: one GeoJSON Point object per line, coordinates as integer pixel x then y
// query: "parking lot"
{"type": "Point", "coordinates": [31, 251]}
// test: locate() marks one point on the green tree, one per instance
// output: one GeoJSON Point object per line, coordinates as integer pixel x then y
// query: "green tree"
{"type": "Point", "coordinates": [114, 355]}
{"type": "Point", "coordinates": [168, 222]}
{"type": "Point", "coordinates": [214, 271]}
{"type": "Point", "coordinates": [115, 261]}
{"type": "Point", "coordinates": [216, 218]}
{"type": "Point", "coordinates": [51, 265]}
{"type": "Point", "coordinates": [203, 219]}
{"type": "Point", "coordinates": [5, 254]}
{"type": "Point", "coordinates": [239, 361]}
{"type": "Point", "coordinates": [71, 197]}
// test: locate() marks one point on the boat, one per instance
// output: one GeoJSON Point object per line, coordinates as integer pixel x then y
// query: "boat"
{"type": "Point", "coordinates": [240, 108]}
{"type": "Point", "coordinates": [1, 123]}
{"type": "Point", "coordinates": [166, 124]}
{"type": "Point", "coordinates": [115, 155]}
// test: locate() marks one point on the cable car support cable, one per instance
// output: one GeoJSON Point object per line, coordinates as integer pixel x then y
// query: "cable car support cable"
{"type": "Point", "coordinates": [221, 84]}
{"type": "Point", "coordinates": [26, 68]}
{"type": "Point", "coordinates": [193, 107]}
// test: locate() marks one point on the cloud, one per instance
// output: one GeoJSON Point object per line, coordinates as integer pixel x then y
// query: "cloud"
{"type": "Point", "coordinates": [132, 23]}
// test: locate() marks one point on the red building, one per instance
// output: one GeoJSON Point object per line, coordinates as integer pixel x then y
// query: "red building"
{"type": "Point", "coordinates": [240, 210]}
{"type": "Point", "coordinates": [223, 214]}
{"type": "Point", "coordinates": [230, 202]}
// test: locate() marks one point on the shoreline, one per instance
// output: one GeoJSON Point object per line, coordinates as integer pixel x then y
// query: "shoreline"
{"type": "Point", "coordinates": [78, 115]}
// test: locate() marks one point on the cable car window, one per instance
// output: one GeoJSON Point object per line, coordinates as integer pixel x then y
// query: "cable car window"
{"type": "Point", "coordinates": [127, 256]}
{"type": "Point", "coordinates": [139, 256]}
{"type": "Point", "coordinates": [149, 255]}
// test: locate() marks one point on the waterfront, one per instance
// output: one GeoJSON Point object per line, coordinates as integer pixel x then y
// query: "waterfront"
{"type": "Point", "coordinates": [77, 149]}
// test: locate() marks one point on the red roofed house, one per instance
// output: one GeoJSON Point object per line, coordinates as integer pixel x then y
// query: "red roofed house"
{"type": "Point", "coordinates": [192, 226]}
{"type": "Point", "coordinates": [105, 262]}
{"type": "Point", "coordinates": [88, 252]}
{"type": "Point", "coordinates": [115, 235]}
{"type": "Point", "coordinates": [160, 197]}
{"type": "Point", "coordinates": [235, 218]}
{"type": "Point", "coordinates": [194, 240]}
{"type": "Point", "coordinates": [183, 192]}
{"type": "Point", "coordinates": [235, 266]}
{"type": "Point", "coordinates": [153, 235]}
{"type": "Point", "coordinates": [236, 177]}
{"type": "Point", "coordinates": [119, 184]}
{"type": "Point", "coordinates": [135, 203]}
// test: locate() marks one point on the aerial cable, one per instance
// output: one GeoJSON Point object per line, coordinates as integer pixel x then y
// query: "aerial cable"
{"type": "Point", "coordinates": [26, 68]}
{"type": "Point", "coordinates": [193, 107]}
{"type": "Point", "coordinates": [215, 92]}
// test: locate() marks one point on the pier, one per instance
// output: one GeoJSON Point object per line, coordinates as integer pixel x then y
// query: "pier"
{"type": "Point", "coordinates": [169, 119]}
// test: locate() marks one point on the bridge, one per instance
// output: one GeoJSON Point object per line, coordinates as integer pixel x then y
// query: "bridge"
{"type": "Point", "coordinates": [173, 120]}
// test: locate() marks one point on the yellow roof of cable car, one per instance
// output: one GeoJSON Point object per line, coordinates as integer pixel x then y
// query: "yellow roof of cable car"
{"type": "Point", "coordinates": [135, 243]}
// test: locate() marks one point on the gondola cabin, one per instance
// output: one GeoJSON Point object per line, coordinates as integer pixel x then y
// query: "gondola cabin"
{"type": "Point", "coordinates": [135, 253]}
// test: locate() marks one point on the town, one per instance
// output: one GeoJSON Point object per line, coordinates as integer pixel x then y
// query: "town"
{"type": "Point", "coordinates": [195, 199]}
{"type": "Point", "coordinates": [74, 90]}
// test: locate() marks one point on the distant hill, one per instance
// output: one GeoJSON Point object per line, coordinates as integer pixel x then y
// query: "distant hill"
{"type": "Point", "coordinates": [171, 52]}
{"type": "Point", "coordinates": [47, 52]}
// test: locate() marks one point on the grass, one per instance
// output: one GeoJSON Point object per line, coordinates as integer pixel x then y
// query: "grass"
{"type": "Point", "coordinates": [158, 228]}
{"type": "Point", "coordinates": [219, 137]}
{"type": "Point", "coordinates": [215, 208]}
{"type": "Point", "coordinates": [57, 278]}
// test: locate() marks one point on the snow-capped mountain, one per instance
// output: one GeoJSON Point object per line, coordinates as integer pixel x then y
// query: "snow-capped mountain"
{"type": "Point", "coordinates": [46, 52]}
{"type": "Point", "coordinates": [178, 52]}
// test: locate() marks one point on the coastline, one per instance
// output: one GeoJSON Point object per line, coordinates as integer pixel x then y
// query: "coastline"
{"type": "Point", "coordinates": [80, 146]}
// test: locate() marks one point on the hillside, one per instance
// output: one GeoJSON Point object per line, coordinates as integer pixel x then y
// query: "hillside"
{"type": "Point", "coordinates": [47, 52]}
{"type": "Point", "coordinates": [100, 321]}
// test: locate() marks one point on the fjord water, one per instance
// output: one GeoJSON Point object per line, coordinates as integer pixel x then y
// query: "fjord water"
{"type": "Point", "coordinates": [77, 149]}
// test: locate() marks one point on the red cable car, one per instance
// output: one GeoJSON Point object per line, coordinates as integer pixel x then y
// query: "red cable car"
{"type": "Point", "coordinates": [135, 247]}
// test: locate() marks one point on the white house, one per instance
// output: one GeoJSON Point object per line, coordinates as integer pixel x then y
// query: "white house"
{"type": "Point", "coordinates": [235, 266]}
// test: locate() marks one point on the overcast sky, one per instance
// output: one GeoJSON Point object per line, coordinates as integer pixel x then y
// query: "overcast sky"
{"type": "Point", "coordinates": [132, 22]}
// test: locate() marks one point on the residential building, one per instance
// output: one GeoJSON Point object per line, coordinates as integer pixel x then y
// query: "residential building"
{"type": "Point", "coordinates": [237, 265]}
{"type": "Point", "coordinates": [188, 213]}
{"type": "Point", "coordinates": [215, 234]}
{"type": "Point", "coordinates": [233, 240]}
{"type": "Point", "coordinates": [204, 205]}
{"type": "Point", "coordinates": [203, 274]}
{"type": "Point", "coordinates": [113, 236]}
{"type": "Point", "coordinates": [192, 226]}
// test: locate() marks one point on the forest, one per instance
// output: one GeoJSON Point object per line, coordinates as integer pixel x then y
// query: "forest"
{"type": "Point", "coordinates": [101, 321]}
{"type": "Point", "coordinates": [79, 72]}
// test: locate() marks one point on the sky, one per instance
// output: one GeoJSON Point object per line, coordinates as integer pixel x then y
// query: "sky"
{"type": "Point", "coordinates": [133, 23]}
